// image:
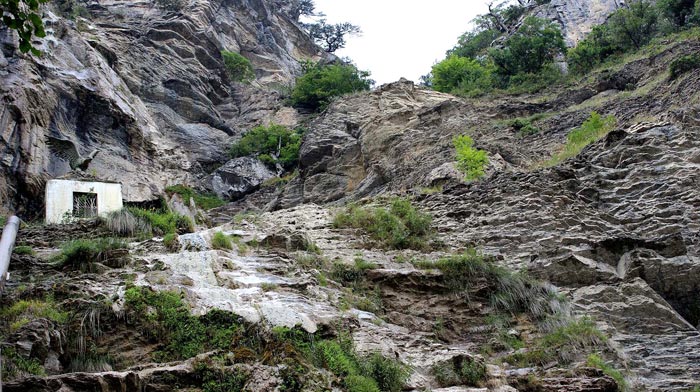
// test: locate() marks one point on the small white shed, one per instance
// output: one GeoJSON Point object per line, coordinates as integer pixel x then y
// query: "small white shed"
{"type": "Point", "coordinates": [70, 199]}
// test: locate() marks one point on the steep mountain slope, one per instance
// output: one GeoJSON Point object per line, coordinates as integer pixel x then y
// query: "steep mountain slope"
{"type": "Point", "coordinates": [139, 83]}
{"type": "Point", "coordinates": [277, 295]}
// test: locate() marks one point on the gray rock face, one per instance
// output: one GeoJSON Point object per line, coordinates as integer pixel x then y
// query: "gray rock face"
{"type": "Point", "coordinates": [240, 176]}
{"type": "Point", "coordinates": [577, 17]}
{"type": "Point", "coordinates": [146, 87]}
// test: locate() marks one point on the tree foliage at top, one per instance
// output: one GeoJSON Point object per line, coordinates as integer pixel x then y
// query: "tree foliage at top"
{"type": "Point", "coordinates": [321, 83]}
{"type": "Point", "coordinates": [506, 50]}
{"type": "Point", "coordinates": [331, 37]}
{"type": "Point", "coordinates": [536, 43]}
{"type": "Point", "coordinates": [23, 16]}
{"type": "Point", "coordinates": [632, 27]}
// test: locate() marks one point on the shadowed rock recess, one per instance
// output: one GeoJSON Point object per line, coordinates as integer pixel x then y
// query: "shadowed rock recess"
{"type": "Point", "coordinates": [372, 265]}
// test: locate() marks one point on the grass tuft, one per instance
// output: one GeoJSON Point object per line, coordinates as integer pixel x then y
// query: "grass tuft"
{"type": "Point", "coordinates": [82, 253]}
{"type": "Point", "coordinates": [401, 226]}
{"type": "Point", "coordinates": [23, 250]}
{"type": "Point", "coordinates": [593, 129]}
{"type": "Point", "coordinates": [594, 360]}
{"type": "Point", "coordinates": [221, 241]}
{"type": "Point", "coordinates": [205, 201]}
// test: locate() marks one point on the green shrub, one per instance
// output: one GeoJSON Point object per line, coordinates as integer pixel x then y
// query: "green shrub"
{"type": "Point", "coordinates": [593, 129]}
{"type": "Point", "coordinates": [272, 144]}
{"type": "Point", "coordinates": [683, 64]}
{"type": "Point", "coordinates": [462, 76]}
{"type": "Point", "coordinates": [238, 68]}
{"type": "Point", "coordinates": [594, 360]}
{"type": "Point", "coordinates": [321, 83]}
{"type": "Point", "coordinates": [357, 383]}
{"type": "Point", "coordinates": [23, 250]}
{"type": "Point", "coordinates": [203, 201]}
{"type": "Point", "coordinates": [166, 319]}
{"type": "Point", "coordinates": [221, 241]}
{"type": "Point", "coordinates": [470, 160]}
{"type": "Point", "coordinates": [164, 222]}
{"type": "Point", "coordinates": [388, 374]}
{"type": "Point", "coordinates": [124, 223]}
{"type": "Point", "coordinates": [82, 253]}
{"type": "Point", "coordinates": [399, 227]}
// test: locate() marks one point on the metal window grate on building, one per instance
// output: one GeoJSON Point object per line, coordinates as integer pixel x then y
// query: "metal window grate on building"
{"type": "Point", "coordinates": [84, 205]}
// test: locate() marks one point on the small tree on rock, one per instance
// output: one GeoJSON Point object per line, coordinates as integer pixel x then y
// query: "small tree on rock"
{"type": "Point", "coordinates": [331, 37]}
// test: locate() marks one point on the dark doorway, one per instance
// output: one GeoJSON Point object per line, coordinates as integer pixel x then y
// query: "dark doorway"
{"type": "Point", "coordinates": [84, 205]}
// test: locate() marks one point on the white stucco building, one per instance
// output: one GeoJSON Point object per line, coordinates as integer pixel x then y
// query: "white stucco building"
{"type": "Point", "coordinates": [69, 199]}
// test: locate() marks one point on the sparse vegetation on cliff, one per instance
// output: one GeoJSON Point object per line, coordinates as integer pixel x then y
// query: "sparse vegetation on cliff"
{"type": "Point", "coordinates": [471, 161]}
{"type": "Point", "coordinates": [238, 68]}
{"type": "Point", "coordinates": [594, 128]}
{"type": "Point", "coordinates": [401, 226]}
{"type": "Point", "coordinates": [205, 201]}
{"type": "Point", "coordinates": [273, 144]}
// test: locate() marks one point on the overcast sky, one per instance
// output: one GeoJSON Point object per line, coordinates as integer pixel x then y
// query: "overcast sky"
{"type": "Point", "coordinates": [401, 38]}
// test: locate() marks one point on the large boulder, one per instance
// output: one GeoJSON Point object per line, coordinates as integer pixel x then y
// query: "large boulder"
{"type": "Point", "coordinates": [239, 177]}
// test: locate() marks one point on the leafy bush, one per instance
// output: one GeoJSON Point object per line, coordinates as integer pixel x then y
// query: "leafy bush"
{"type": "Point", "coordinates": [221, 241]}
{"type": "Point", "coordinates": [238, 68]}
{"type": "Point", "coordinates": [474, 43]}
{"type": "Point", "coordinates": [470, 160]}
{"type": "Point", "coordinates": [594, 128]}
{"type": "Point", "coordinates": [124, 223]}
{"type": "Point", "coordinates": [399, 227]}
{"type": "Point", "coordinates": [461, 75]}
{"type": "Point", "coordinates": [203, 201]}
{"type": "Point", "coordinates": [82, 253]}
{"type": "Point", "coordinates": [321, 83]}
{"type": "Point", "coordinates": [23, 250]}
{"type": "Point", "coordinates": [684, 64]}
{"type": "Point", "coordinates": [273, 144]}
{"type": "Point", "coordinates": [594, 360]}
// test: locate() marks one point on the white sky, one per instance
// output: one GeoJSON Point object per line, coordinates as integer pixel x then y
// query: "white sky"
{"type": "Point", "coordinates": [401, 38]}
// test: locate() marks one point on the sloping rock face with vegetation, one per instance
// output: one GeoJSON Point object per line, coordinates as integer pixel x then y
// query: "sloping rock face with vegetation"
{"type": "Point", "coordinates": [541, 241]}
{"type": "Point", "coordinates": [138, 83]}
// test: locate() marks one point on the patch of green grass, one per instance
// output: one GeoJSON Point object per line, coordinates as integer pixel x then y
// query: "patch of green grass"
{"type": "Point", "coordinates": [471, 161]}
{"type": "Point", "coordinates": [431, 190]}
{"type": "Point", "coordinates": [505, 290]}
{"type": "Point", "coordinates": [562, 345]}
{"type": "Point", "coordinates": [205, 201]}
{"type": "Point", "coordinates": [170, 241]}
{"type": "Point", "coordinates": [124, 223]}
{"type": "Point", "coordinates": [82, 253]}
{"type": "Point", "coordinates": [164, 222]}
{"type": "Point", "coordinates": [345, 273]}
{"type": "Point", "coordinates": [594, 360]}
{"type": "Point", "coordinates": [401, 226]}
{"type": "Point", "coordinates": [221, 241]}
{"type": "Point", "coordinates": [23, 312]}
{"type": "Point", "coordinates": [593, 129]}
{"type": "Point", "coordinates": [525, 125]}
{"type": "Point", "coordinates": [23, 250]}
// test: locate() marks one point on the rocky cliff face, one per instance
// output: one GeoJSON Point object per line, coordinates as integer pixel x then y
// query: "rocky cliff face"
{"type": "Point", "coordinates": [578, 17]}
{"type": "Point", "coordinates": [613, 231]}
{"type": "Point", "coordinates": [145, 86]}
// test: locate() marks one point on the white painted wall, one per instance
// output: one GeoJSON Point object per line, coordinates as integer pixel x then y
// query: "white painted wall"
{"type": "Point", "coordinates": [59, 197]}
